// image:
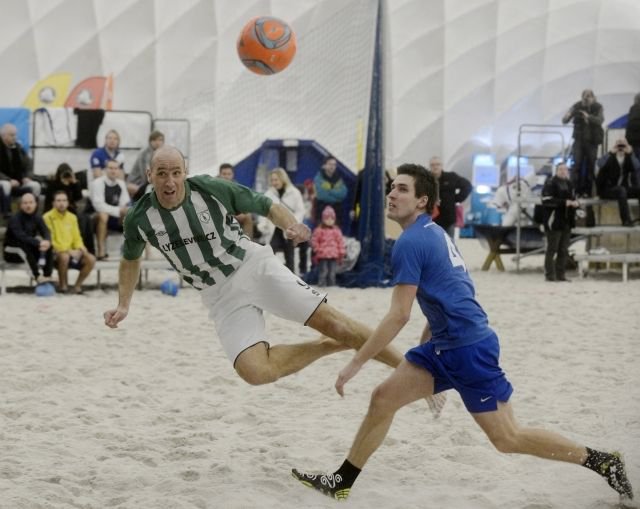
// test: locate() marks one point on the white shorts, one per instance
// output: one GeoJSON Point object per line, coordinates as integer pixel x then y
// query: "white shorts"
{"type": "Point", "coordinates": [262, 283]}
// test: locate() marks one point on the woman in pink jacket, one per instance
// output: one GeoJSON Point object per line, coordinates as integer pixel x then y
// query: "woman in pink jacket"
{"type": "Point", "coordinates": [328, 247]}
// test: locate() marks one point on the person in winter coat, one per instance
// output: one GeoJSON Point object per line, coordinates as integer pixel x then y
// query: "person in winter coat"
{"type": "Point", "coordinates": [284, 192]}
{"type": "Point", "coordinates": [560, 204]}
{"type": "Point", "coordinates": [28, 239]}
{"type": "Point", "coordinates": [330, 189]}
{"type": "Point", "coordinates": [328, 247]}
{"type": "Point", "coordinates": [632, 133]}
{"type": "Point", "coordinates": [617, 178]}
{"type": "Point", "coordinates": [453, 189]}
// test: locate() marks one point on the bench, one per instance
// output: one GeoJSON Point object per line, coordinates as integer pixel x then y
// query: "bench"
{"type": "Point", "coordinates": [145, 267]}
{"type": "Point", "coordinates": [502, 240]}
{"type": "Point", "coordinates": [623, 258]}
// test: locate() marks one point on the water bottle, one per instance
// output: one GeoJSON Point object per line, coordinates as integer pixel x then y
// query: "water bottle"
{"type": "Point", "coordinates": [42, 261]}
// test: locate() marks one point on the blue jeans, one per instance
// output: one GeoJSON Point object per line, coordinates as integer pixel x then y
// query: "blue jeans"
{"type": "Point", "coordinates": [327, 272]}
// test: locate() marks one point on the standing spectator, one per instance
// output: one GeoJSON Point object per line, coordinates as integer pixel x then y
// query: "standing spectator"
{"type": "Point", "coordinates": [560, 204]}
{"type": "Point", "coordinates": [307, 190]}
{"type": "Point", "coordinates": [618, 179]}
{"type": "Point", "coordinates": [588, 116]}
{"type": "Point", "coordinates": [226, 172]}
{"type": "Point", "coordinates": [16, 167]}
{"type": "Point", "coordinates": [65, 180]}
{"type": "Point", "coordinates": [137, 177]}
{"type": "Point", "coordinates": [282, 191]}
{"type": "Point", "coordinates": [453, 189]}
{"type": "Point", "coordinates": [328, 247]}
{"type": "Point", "coordinates": [68, 247]}
{"type": "Point", "coordinates": [110, 200]}
{"type": "Point", "coordinates": [111, 150]}
{"type": "Point", "coordinates": [28, 239]}
{"type": "Point", "coordinates": [330, 189]}
{"type": "Point", "coordinates": [632, 133]}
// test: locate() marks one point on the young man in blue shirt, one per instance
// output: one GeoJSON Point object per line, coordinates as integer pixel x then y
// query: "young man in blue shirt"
{"type": "Point", "coordinates": [462, 354]}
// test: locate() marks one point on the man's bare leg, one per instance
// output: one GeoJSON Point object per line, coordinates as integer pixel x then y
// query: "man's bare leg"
{"type": "Point", "coordinates": [332, 323]}
{"type": "Point", "coordinates": [406, 384]}
{"type": "Point", "coordinates": [508, 436]}
{"type": "Point", "coordinates": [262, 365]}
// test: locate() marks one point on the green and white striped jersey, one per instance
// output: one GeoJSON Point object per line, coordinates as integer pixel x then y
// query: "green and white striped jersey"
{"type": "Point", "coordinates": [200, 238]}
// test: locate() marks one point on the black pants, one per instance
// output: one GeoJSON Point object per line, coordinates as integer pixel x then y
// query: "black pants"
{"type": "Point", "coordinates": [279, 243]}
{"type": "Point", "coordinates": [584, 163]}
{"type": "Point", "coordinates": [303, 254]}
{"type": "Point", "coordinates": [622, 194]}
{"type": "Point", "coordinates": [555, 258]}
{"type": "Point", "coordinates": [33, 255]}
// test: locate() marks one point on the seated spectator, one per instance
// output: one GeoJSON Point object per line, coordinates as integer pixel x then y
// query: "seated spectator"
{"type": "Point", "coordinates": [284, 192]}
{"type": "Point", "coordinates": [247, 221]}
{"type": "Point", "coordinates": [110, 200]}
{"type": "Point", "coordinates": [617, 177]}
{"type": "Point", "coordinates": [69, 250]}
{"type": "Point", "coordinates": [137, 177]}
{"type": "Point", "coordinates": [330, 189]}
{"type": "Point", "coordinates": [328, 247]}
{"type": "Point", "coordinates": [111, 150]}
{"type": "Point", "coordinates": [28, 239]}
{"type": "Point", "coordinates": [16, 167]}
{"type": "Point", "coordinates": [65, 180]}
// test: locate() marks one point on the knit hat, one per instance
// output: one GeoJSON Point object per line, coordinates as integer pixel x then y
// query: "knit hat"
{"type": "Point", "coordinates": [328, 213]}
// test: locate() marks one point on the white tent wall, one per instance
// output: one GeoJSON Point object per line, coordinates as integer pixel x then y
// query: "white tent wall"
{"type": "Point", "coordinates": [460, 75]}
{"type": "Point", "coordinates": [465, 74]}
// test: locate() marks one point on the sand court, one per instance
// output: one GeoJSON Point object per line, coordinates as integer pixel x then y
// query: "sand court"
{"type": "Point", "coordinates": [152, 415]}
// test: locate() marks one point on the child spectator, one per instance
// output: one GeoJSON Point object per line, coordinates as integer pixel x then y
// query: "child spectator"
{"type": "Point", "coordinates": [328, 247]}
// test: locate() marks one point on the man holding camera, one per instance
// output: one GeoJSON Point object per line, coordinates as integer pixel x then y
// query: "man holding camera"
{"type": "Point", "coordinates": [618, 177]}
{"type": "Point", "coordinates": [588, 116]}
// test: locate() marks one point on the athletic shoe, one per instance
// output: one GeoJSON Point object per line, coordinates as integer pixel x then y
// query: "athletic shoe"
{"type": "Point", "coordinates": [613, 470]}
{"type": "Point", "coordinates": [327, 484]}
{"type": "Point", "coordinates": [436, 403]}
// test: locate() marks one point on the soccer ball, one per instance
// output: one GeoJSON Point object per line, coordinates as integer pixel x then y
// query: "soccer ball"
{"type": "Point", "coordinates": [266, 45]}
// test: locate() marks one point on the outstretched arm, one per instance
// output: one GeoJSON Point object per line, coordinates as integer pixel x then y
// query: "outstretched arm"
{"type": "Point", "coordinates": [127, 278]}
{"type": "Point", "coordinates": [393, 322]}
{"type": "Point", "coordinates": [282, 217]}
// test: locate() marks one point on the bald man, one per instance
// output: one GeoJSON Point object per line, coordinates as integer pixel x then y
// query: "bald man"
{"type": "Point", "coordinates": [16, 167]}
{"type": "Point", "coordinates": [191, 221]}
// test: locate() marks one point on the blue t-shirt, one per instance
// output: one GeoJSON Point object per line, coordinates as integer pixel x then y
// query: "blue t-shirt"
{"type": "Point", "coordinates": [425, 256]}
{"type": "Point", "coordinates": [100, 156]}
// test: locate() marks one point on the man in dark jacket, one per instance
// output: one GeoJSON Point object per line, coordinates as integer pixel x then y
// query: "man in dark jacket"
{"type": "Point", "coordinates": [28, 238]}
{"type": "Point", "coordinates": [588, 116]}
{"type": "Point", "coordinates": [330, 189]}
{"type": "Point", "coordinates": [632, 134]}
{"type": "Point", "coordinates": [618, 179]}
{"type": "Point", "coordinates": [560, 204]}
{"type": "Point", "coordinates": [453, 189]}
{"type": "Point", "coordinates": [16, 167]}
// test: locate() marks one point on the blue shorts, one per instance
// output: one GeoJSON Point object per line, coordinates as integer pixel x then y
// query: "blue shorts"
{"type": "Point", "coordinates": [471, 370]}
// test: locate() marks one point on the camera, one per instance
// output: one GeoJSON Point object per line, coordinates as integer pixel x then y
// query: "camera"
{"type": "Point", "coordinates": [621, 146]}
